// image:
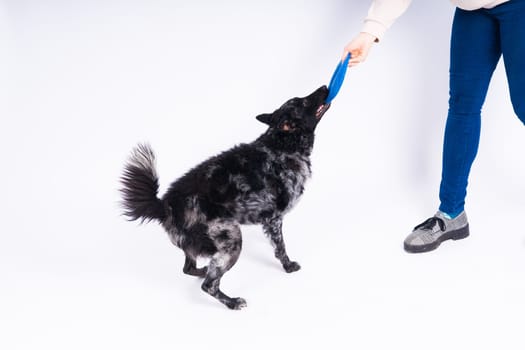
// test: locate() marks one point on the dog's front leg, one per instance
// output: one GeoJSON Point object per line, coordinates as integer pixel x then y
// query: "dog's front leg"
{"type": "Point", "coordinates": [273, 229]}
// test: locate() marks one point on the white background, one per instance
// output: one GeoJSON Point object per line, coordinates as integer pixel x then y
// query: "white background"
{"type": "Point", "coordinates": [81, 82]}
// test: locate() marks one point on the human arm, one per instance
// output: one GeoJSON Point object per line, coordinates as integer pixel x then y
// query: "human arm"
{"type": "Point", "coordinates": [381, 15]}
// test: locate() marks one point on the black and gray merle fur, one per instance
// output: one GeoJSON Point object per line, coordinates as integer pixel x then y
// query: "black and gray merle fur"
{"type": "Point", "coordinates": [255, 183]}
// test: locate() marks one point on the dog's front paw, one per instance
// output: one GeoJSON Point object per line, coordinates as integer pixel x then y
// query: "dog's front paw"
{"type": "Point", "coordinates": [292, 266]}
{"type": "Point", "coordinates": [236, 303]}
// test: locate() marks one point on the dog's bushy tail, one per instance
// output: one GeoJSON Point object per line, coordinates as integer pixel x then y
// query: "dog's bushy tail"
{"type": "Point", "coordinates": [141, 186]}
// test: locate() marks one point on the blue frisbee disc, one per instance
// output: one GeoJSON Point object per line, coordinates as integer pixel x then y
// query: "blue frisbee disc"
{"type": "Point", "coordinates": [337, 79]}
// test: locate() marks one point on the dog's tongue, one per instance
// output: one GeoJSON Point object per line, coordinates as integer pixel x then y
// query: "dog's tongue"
{"type": "Point", "coordinates": [321, 110]}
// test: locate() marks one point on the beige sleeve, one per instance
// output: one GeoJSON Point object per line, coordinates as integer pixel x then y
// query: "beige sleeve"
{"type": "Point", "coordinates": [382, 14]}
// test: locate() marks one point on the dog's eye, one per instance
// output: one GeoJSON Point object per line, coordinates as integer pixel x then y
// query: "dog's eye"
{"type": "Point", "coordinates": [288, 126]}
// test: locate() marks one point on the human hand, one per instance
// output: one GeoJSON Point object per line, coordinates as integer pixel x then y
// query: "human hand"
{"type": "Point", "coordinates": [359, 48]}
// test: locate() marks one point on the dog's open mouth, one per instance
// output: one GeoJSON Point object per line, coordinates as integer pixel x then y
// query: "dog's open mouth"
{"type": "Point", "coordinates": [321, 110]}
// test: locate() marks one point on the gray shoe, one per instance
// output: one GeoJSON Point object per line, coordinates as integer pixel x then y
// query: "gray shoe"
{"type": "Point", "coordinates": [428, 235]}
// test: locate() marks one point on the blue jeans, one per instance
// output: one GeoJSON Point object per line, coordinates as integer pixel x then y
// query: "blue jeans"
{"type": "Point", "coordinates": [478, 40]}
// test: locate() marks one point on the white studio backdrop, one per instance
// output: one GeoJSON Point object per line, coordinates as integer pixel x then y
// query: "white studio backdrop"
{"type": "Point", "coordinates": [81, 82]}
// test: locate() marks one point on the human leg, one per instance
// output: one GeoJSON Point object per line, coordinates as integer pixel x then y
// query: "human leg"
{"type": "Point", "coordinates": [512, 33]}
{"type": "Point", "coordinates": [474, 54]}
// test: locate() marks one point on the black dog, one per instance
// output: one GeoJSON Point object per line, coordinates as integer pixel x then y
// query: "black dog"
{"type": "Point", "coordinates": [254, 183]}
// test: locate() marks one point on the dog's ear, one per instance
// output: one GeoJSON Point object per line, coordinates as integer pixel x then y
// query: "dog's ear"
{"type": "Point", "coordinates": [265, 118]}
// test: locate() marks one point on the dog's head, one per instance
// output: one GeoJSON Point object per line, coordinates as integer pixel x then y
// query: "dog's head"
{"type": "Point", "coordinates": [299, 115]}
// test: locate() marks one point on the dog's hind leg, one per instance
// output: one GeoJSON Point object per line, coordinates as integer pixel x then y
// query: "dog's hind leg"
{"type": "Point", "coordinates": [273, 229]}
{"type": "Point", "coordinates": [190, 267]}
{"type": "Point", "coordinates": [227, 238]}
